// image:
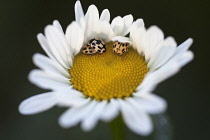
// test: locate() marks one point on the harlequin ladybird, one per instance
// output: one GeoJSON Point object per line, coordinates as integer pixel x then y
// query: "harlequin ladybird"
{"type": "Point", "coordinates": [94, 46]}
{"type": "Point", "coordinates": [120, 48]}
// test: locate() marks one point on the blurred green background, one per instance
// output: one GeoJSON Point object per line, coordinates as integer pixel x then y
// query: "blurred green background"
{"type": "Point", "coordinates": [187, 93]}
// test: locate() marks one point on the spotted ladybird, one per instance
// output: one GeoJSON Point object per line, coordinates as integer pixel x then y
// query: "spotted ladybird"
{"type": "Point", "coordinates": [120, 48]}
{"type": "Point", "coordinates": [94, 46]}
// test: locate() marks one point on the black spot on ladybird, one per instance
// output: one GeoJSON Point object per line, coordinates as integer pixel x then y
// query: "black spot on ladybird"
{"type": "Point", "coordinates": [86, 51]}
{"type": "Point", "coordinates": [98, 41]}
{"type": "Point", "coordinates": [99, 50]}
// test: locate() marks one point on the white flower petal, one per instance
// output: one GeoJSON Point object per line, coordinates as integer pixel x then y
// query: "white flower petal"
{"type": "Point", "coordinates": [137, 120]}
{"type": "Point", "coordinates": [162, 53]}
{"type": "Point", "coordinates": [117, 25]}
{"type": "Point", "coordinates": [185, 58]}
{"type": "Point", "coordinates": [171, 67]}
{"type": "Point", "coordinates": [92, 18]}
{"type": "Point", "coordinates": [105, 15]}
{"type": "Point", "coordinates": [148, 84]}
{"type": "Point", "coordinates": [128, 20]}
{"type": "Point", "coordinates": [71, 97]}
{"type": "Point", "coordinates": [110, 111]}
{"type": "Point", "coordinates": [37, 103]}
{"type": "Point", "coordinates": [90, 121]}
{"type": "Point", "coordinates": [74, 115]}
{"type": "Point", "coordinates": [104, 31]}
{"type": "Point", "coordinates": [166, 71]}
{"type": "Point", "coordinates": [75, 37]}
{"type": "Point", "coordinates": [184, 46]}
{"type": "Point", "coordinates": [150, 40]}
{"type": "Point", "coordinates": [58, 26]}
{"type": "Point", "coordinates": [78, 11]}
{"type": "Point", "coordinates": [46, 81]}
{"type": "Point", "coordinates": [121, 39]}
{"type": "Point", "coordinates": [182, 56]}
{"type": "Point", "coordinates": [136, 30]}
{"type": "Point", "coordinates": [150, 103]}
{"type": "Point", "coordinates": [136, 37]}
{"type": "Point", "coordinates": [45, 46]}
{"type": "Point", "coordinates": [83, 25]}
{"type": "Point", "coordinates": [58, 46]}
{"type": "Point", "coordinates": [139, 23]}
{"type": "Point", "coordinates": [50, 66]}
{"type": "Point", "coordinates": [69, 118]}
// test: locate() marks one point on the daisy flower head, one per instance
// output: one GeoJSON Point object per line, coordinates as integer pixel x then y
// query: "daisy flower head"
{"type": "Point", "coordinates": [100, 69]}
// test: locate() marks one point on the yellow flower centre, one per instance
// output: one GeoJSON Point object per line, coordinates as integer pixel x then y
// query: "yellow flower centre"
{"type": "Point", "coordinates": [108, 75]}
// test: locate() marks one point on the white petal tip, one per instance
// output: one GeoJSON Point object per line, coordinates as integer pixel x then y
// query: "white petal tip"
{"type": "Point", "coordinates": [48, 27]}
{"type": "Point", "coordinates": [37, 104]}
{"type": "Point", "coordinates": [186, 58]}
{"type": "Point", "coordinates": [145, 132]}
{"type": "Point", "coordinates": [189, 55]}
{"type": "Point", "coordinates": [35, 55]}
{"type": "Point", "coordinates": [87, 128]}
{"type": "Point", "coordinates": [32, 76]}
{"type": "Point", "coordinates": [77, 4]}
{"type": "Point", "coordinates": [129, 16]}
{"type": "Point", "coordinates": [189, 41]}
{"type": "Point", "coordinates": [155, 29]}
{"type": "Point", "coordinates": [140, 20]}
{"type": "Point", "coordinates": [39, 35]}
{"type": "Point", "coordinates": [55, 22]}
{"type": "Point", "coordinates": [92, 6]}
{"type": "Point", "coordinates": [62, 123]}
{"type": "Point", "coordinates": [106, 10]}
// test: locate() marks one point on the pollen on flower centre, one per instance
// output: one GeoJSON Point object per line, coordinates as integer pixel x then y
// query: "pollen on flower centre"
{"type": "Point", "coordinates": [108, 75]}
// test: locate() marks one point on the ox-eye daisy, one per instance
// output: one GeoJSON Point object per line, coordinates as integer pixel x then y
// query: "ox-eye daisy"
{"type": "Point", "coordinates": [100, 86]}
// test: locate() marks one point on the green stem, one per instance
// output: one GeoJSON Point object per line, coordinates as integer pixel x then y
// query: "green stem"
{"type": "Point", "coordinates": [117, 128]}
